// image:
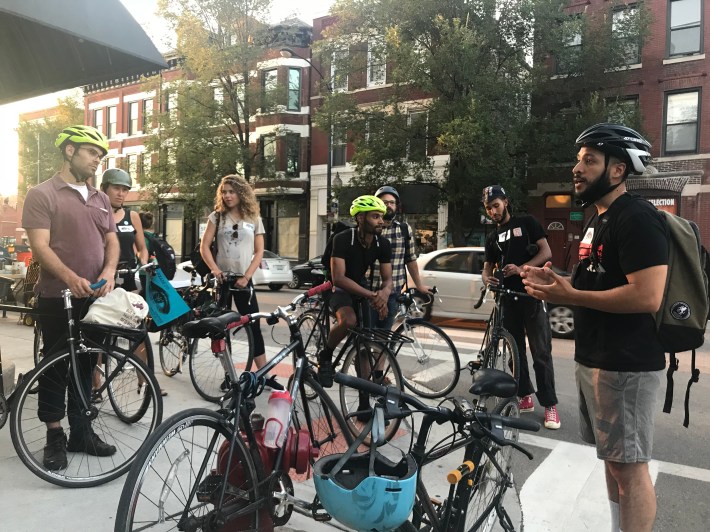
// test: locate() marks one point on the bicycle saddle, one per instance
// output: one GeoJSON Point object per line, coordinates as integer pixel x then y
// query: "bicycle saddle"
{"type": "Point", "coordinates": [488, 381]}
{"type": "Point", "coordinates": [214, 327]}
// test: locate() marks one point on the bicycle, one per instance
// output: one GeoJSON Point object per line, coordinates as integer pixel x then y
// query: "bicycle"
{"type": "Point", "coordinates": [478, 485]}
{"type": "Point", "coordinates": [207, 470]}
{"type": "Point", "coordinates": [141, 407]}
{"type": "Point", "coordinates": [430, 364]}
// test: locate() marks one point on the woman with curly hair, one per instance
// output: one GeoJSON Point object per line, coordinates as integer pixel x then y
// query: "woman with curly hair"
{"type": "Point", "coordinates": [237, 226]}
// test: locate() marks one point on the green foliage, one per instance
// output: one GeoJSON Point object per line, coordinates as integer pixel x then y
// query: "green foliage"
{"type": "Point", "coordinates": [39, 159]}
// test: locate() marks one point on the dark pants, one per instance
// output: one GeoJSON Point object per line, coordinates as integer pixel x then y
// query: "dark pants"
{"type": "Point", "coordinates": [529, 316]}
{"type": "Point", "coordinates": [392, 308]}
{"type": "Point", "coordinates": [245, 305]}
{"type": "Point", "coordinates": [52, 389]}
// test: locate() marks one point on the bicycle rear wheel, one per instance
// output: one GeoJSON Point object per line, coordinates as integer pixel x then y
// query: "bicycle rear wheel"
{"type": "Point", "coordinates": [488, 483]}
{"type": "Point", "coordinates": [206, 371]}
{"type": "Point", "coordinates": [377, 364]}
{"type": "Point", "coordinates": [173, 348]}
{"type": "Point", "coordinates": [501, 355]}
{"type": "Point", "coordinates": [176, 479]}
{"type": "Point", "coordinates": [83, 470]}
{"type": "Point", "coordinates": [430, 364]}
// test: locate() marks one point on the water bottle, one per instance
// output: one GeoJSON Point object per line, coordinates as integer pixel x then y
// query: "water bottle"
{"type": "Point", "coordinates": [276, 419]}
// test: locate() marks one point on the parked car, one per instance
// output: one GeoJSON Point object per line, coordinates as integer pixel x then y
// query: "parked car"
{"type": "Point", "coordinates": [307, 273]}
{"type": "Point", "coordinates": [274, 271]}
{"type": "Point", "coordinates": [456, 273]}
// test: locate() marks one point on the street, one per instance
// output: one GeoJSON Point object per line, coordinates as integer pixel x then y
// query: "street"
{"type": "Point", "coordinates": [562, 489]}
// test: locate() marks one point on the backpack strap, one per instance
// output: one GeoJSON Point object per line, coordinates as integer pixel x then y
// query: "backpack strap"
{"type": "Point", "coordinates": [694, 377]}
{"type": "Point", "coordinates": [672, 368]}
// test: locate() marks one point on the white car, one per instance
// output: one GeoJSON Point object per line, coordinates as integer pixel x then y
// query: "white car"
{"type": "Point", "coordinates": [456, 273]}
{"type": "Point", "coordinates": [273, 271]}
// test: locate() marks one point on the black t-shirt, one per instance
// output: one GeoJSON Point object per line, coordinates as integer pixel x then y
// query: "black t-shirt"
{"type": "Point", "coordinates": [358, 259]}
{"type": "Point", "coordinates": [630, 236]}
{"type": "Point", "coordinates": [509, 245]}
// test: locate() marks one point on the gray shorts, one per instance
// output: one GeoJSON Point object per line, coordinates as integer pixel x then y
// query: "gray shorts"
{"type": "Point", "coordinates": [617, 411]}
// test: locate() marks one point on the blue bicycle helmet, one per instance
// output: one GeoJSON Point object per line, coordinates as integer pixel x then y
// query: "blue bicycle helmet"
{"type": "Point", "coordinates": [367, 494]}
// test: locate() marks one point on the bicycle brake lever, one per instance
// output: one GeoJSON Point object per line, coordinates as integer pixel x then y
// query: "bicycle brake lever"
{"type": "Point", "coordinates": [519, 447]}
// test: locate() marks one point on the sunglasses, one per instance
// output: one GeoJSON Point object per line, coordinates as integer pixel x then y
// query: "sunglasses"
{"type": "Point", "coordinates": [235, 228]}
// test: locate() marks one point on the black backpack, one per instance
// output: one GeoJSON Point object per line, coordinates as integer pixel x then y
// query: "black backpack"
{"type": "Point", "coordinates": [164, 254]}
{"type": "Point", "coordinates": [338, 227]}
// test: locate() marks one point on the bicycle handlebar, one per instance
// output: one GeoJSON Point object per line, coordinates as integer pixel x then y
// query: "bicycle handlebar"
{"type": "Point", "coordinates": [499, 290]}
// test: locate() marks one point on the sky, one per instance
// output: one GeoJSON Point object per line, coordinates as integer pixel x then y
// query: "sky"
{"type": "Point", "coordinates": [144, 12]}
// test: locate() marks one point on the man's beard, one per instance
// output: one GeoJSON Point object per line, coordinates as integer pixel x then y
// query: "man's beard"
{"type": "Point", "coordinates": [389, 215]}
{"type": "Point", "coordinates": [597, 190]}
{"type": "Point", "coordinates": [81, 177]}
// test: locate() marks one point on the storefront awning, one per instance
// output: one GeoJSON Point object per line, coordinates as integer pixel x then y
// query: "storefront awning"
{"type": "Point", "coordinates": [47, 46]}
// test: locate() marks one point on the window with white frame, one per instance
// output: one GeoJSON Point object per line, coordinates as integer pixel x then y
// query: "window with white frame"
{"type": "Point", "coordinates": [680, 128]}
{"type": "Point", "coordinates": [147, 113]}
{"type": "Point", "coordinates": [622, 19]}
{"type": "Point", "coordinates": [376, 63]}
{"type": "Point", "coordinates": [99, 119]}
{"type": "Point", "coordinates": [293, 154]}
{"type": "Point", "coordinates": [338, 71]}
{"type": "Point", "coordinates": [133, 166]}
{"type": "Point", "coordinates": [622, 110]}
{"type": "Point", "coordinates": [112, 118]}
{"type": "Point", "coordinates": [338, 147]}
{"type": "Point", "coordinates": [269, 84]}
{"type": "Point", "coordinates": [268, 155]}
{"type": "Point", "coordinates": [294, 89]}
{"type": "Point", "coordinates": [133, 118]}
{"type": "Point", "coordinates": [569, 56]}
{"type": "Point", "coordinates": [685, 27]}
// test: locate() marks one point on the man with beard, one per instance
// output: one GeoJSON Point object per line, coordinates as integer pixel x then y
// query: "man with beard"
{"type": "Point", "coordinates": [520, 241]}
{"type": "Point", "coordinates": [616, 290]}
{"type": "Point", "coordinates": [72, 233]}
{"type": "Point", "coordinates": [354, 253]}
{"type": "Point", "coordinates": [404, 257]}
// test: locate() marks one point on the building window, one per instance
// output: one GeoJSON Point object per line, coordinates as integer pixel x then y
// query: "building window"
{"type": "Point", "coordinates": [376, 63]}
{"type": "Point", "coordinates": [685, 33]}
{"type": "Point", "coordinates": [417, 146]}
{"type": "Point", "coordinates": [111, 122]}
{"type": "Point", "coordinates": [218, 96]}
{"type": "Point", "coordinates": [681, 122]}
{"type": "Point", "coordinates": [622, 20]}
{"type": "Point", "coordinates": [293, 155]}
{"type": "Point", "coordinates": [337, 153]}
{"type": "Point", "coordinates": [132, 118]}
{"type": "Point", "coordinates": [294, 89]}
{"type": "Point", "coordinates": [623, 110]}
{"type": "Point", "coordinates": [567, 61]}
{"type": "Point", "coordinates": [147, 114]}
{"type": "Point", "coordinates": [268, 155]}
{"type": "Point", "coordinates": [338, 71]}
{"type": "Point", "coordinates": [269, 84]}
{"type": "Point", "coordinates": [558, 201]}
{"type": "Point", "coordinates": [99, 119]}
{"type": "Point", "coordinates": [133, 166]}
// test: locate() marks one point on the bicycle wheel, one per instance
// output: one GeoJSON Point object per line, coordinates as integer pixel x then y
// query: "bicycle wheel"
{"type": "Point", "coordinates": [38, 350]}
{"type": "Point", "coordinates": [430, 364]}
{"type": "Point", "coordinates": [489, 484]}
{"type": "Point", "coordinates": [173, 348]}
{"type": "Point", "coordinates": [375, 363]}
{"type": "Point", "coordinates": [28, 432]}
{"type": "Point", "coordinates": [502, 356]}
{"type": "Point", "coordinates": [176, 479]}
{"type": "Point", "coordinates": [313, 337]}
{"type": "Point", "coordinates": [129, 393]}
{"type": "Point", "coordinates": [206, 371]}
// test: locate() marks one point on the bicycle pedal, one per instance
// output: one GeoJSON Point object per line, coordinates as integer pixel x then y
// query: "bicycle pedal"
{"type": "Point", "coordinates": [435, 502]}
{"type": "Point", "coordinates": [208, 488]}
{"type": "Point", "coordinates": [318, 513]}
{"type": "Point", "coordinates": [474, 366]}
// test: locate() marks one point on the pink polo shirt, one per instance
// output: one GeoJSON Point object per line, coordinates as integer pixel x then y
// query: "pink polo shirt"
{"type": "Point", "coordinates": [77, 229]}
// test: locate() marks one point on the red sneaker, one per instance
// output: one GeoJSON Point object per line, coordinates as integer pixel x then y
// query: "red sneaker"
{"type": "Point", "coordinates": [526, 404]}
{"type": "Point", "coordinates": [552, 420]}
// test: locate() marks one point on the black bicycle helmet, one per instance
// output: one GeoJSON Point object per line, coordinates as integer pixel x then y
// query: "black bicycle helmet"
{"type": "Point", "coordinates": [387, 190]}
{"type": "Point", "coordinates": [620, 141]}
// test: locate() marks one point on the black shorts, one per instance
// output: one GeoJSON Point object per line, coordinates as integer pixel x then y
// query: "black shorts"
{"type": "Point", "coordinates": [341, 298]}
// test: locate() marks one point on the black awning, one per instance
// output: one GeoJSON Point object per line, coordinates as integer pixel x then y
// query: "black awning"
{"type": "Point", "coordinates": [46, 46]}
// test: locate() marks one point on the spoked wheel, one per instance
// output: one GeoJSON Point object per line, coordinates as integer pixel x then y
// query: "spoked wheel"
{"type": "Point", "coordinates": [173, 349]}
{"type": "Point", "coordinates": [30, 402]}
{"type": "Point", "coordinates": [38, 344]}
{"type": "Point", "coordinates": [177, 478]}
{"type": "Point", "coordinates": [206, 371]}
{"type": "Point", "coordinates": [313, 337]}
{"type": "Point", "coordinates": [503, 356]}
{"type": "Point", "coordinates": [129, 393]}
{"type": "Point", "coordinates": [375, 363]}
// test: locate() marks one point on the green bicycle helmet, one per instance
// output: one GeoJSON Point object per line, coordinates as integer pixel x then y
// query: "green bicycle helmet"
{"type": "Point", "coordinates": [81, 134]}
{"type": "Point", "coordinates": [115, 176]}
{"type": "Point", "coordinates": [367, 204]}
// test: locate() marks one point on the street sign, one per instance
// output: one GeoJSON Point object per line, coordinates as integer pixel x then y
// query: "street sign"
{"type": "Point", "coordinates": [576, 216]}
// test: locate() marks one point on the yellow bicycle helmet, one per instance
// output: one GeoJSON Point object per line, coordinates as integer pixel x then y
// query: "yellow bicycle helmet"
{"type": "Point", "coordinates": [81, 134]}
{"type": "Point", "coordinates": [367, 204]}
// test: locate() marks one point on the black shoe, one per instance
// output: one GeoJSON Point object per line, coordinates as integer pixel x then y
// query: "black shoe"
{"type": "Point", "coordinates": [55, 452]}
{"type": "Point", "coordinates": [89, 443]}
{"type": "Point", "coordinates": [325, 373]}
{"type": "Point", "coordinates": [272, 383]}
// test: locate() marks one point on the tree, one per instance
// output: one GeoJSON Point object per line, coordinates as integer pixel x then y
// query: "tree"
{"type": "Point", "coordinates": [465, 67]}
{"type": "Point", "coordinates": [39, 158]}
{"type": "Point", "coordinates": [205, 119]}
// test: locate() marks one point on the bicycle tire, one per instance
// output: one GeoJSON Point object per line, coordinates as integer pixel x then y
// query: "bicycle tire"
{"type": "Point", "coordinates": [503, 356]}
{"type": "Point", "coordinates": [313, 337]}
{"type": "Point", "coordinates": [38, 343]}
{"type": "Point", "coordinates": [351, 400]}
{"type": "Point", "coordinates": [206, 371]}
{"type": "Point", "coordinates": [173, 348]}
{"type": "Point", "coordinates": [169, 469]}
{"type": "Point", "coordinates": [28, 433]}
{"type": "Point", "coordinates": [488, 482]}
{"type": "Point", "coordinates": [430, 364]}
{"type": "Point", "coordinates": [129, 407]}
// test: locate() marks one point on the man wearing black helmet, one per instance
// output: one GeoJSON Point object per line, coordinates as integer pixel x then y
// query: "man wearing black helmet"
{"type": "Point", "coordinates": [616, 289]}
{"type": "Point", "coordinates": [404, 256]}
{"type": "Point", "coordinates": [516, 242]}
{"type": "Point", "coordinates": [73, 236]}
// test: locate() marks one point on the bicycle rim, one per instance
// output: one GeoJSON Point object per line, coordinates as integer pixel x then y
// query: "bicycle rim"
{"type": "Point", "coordinates": [430, 364]}
{"type": "Point", "coordinates": [38, 345]}
{"type": "Point", "coordinates": [313, 339]}
{"type": "Point", "coordinates": [488, 482]}
{"type": "Point", "coordinates": [504, 357]}
{"type": "Point", "coordinates": [172, 348]}
{"type": "Point", "coordinates": [206, 370]}
{"type": "Point", "coordinates": [176, 479]}
{"type": "Point", "coordinates": [83, 470]}
{"type": "Point", "coordinates": [377, 364]}
{"type": "Point", "coordinates": [129, 392]}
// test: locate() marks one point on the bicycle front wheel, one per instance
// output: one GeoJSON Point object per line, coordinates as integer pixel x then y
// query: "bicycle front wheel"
{"type": "Point", "coordinates": [173, 348]}
{"type": "Point", "coordinates": [206, 371]}
{"type": "Point", "coordinates": [489, 485]}
{"type": "Point", "coordinates": [502, 355]}
{"type": "Point", "coordinates": [84, 470]}
{"type": "Point", "coordinates": [177, 478]}
{"type": "Point", "coordinates": [374, 362]}
{"type": "Point", "coordinates": [430, 364]}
